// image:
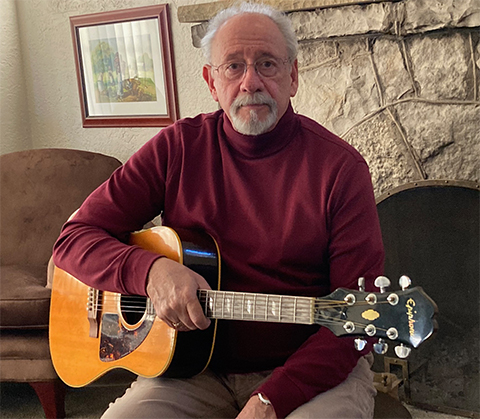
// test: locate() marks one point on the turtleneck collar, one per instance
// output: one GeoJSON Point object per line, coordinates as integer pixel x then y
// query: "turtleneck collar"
{"type": "Point", "coordinates": [264, 145]}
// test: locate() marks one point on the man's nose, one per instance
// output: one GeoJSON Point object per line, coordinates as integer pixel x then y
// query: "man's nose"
{"type": "Point", "coordinates": [252, 82]}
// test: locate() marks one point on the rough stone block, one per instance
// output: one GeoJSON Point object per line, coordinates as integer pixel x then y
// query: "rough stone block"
{"type": "Point", "coordinates": [395, 81]}
{"type": "Point", "coordinates": [343, 21]}
{"type": "Point", "coordinates": [440, 65]}
{"type": "Point", "coordinates": [445, 137]}
{"type": "Point", "coordinates": [340, 92]}
{"type": "Point", "coordinates": [316, 54]}
{"type": "Point", "coordinates": [381, 144]}
{"type": "Point", "coordinates": [431, 15]}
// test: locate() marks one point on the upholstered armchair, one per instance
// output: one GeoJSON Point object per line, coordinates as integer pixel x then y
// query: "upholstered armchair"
{"type": "Point", "coordinates": [39, 190]}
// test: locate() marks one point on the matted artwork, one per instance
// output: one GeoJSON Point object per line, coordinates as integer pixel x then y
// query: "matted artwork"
{"type": "Point", "coordinates": [125, 68]}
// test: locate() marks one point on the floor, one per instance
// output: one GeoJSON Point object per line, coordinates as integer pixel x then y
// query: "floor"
{"type": "Point", "coordinates": [18, 401]}
{"type": "Point", "coordinates": [423, 414]}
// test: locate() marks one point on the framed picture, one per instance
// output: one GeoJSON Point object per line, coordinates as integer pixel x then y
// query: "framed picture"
{"type": "Point", "coordinates": [125, 68]}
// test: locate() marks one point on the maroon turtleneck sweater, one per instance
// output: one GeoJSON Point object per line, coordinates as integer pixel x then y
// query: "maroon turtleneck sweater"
{"type": "Point", "coordinates": [293, 213]}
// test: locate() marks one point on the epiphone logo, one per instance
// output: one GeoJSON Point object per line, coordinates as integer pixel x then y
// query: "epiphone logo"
{"type": "Point", "coordinates": [410, 304]}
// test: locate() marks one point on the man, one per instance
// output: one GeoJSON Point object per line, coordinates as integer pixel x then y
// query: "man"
{"type": "Point", "coordinates": [292, 209]}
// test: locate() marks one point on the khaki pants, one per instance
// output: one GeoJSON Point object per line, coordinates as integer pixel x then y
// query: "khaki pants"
{"type": "Point", "coordinates": [222, 396]}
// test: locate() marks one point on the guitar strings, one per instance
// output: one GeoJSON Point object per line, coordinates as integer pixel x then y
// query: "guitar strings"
{"type": "Point", "coordinates": [290, 312]}
{"type": "Point", "coordinates": [257, 303]}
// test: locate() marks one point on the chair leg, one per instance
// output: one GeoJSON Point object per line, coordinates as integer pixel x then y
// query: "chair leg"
{"type": "Point", "coordinates": [52, 397]}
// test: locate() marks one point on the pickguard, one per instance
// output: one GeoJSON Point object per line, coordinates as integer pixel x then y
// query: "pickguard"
{"type": "Point", "coordinates": [116, 341]}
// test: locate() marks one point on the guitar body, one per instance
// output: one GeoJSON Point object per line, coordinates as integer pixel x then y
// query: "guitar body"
{"type": "Point", "coordinates": [92, 332]}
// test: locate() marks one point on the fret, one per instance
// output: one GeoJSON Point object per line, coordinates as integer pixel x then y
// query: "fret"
{"type": "Point", "coordinates": [289, 315]}
{"type": "Point", "coordinates": [266, 307]}
{"type": "Point", "coordinates": [254, 306]}
{"type": "Point", "coordinates": [261, 303]}
{"type": "Point", "coordinates": [243, 306]}
{"type": "Point", "coordinates": [234, 304]}
{"type": "Point", "coordinates": [305, 314]}
{"type": "Point", "coordinates": [294, 310]}
{"type": "Point", "coordinates": [212, 303]}
{"type": "Point", "coordinates": [274, 309]}
{"type": "Point", "coordinates": [220, 305]}
{"type": "Point", "coordinates": [223, 305]}
{"type": "Point", "coordinates": [228, 306]}
{"type": "Point", "coordinates": [205, 303]}
{"type": "Point", "coordinates": [280, 309]}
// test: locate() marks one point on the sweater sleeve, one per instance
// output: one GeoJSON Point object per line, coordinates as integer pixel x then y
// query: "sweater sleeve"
{"type": "Point", "coordinates": [93, 245]}
{"type": "Point", "coordinates": [355, 249]}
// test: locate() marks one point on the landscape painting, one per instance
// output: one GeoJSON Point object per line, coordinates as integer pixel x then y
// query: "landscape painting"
{"type": "Point", "coordinates": [125, 67]}
{"type": "Point", "coordinates": [122, 74]}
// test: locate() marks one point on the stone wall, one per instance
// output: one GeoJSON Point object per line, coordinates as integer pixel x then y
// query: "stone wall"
{"type": "Point", "coordinates": [399, 81]}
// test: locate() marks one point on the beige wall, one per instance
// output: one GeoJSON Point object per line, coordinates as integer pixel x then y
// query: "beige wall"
{"type": "Point", "coordinates": [14, 126]}
{"type": "Point", "coordinates": [39, 97]}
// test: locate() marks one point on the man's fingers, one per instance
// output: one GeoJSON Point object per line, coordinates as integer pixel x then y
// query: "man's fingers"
{"type": "Point", "coordinates": [197, 316]}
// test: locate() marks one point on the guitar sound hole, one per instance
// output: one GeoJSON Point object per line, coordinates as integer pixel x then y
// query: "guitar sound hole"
{"type": "Point", "coordinates": [133, 308]}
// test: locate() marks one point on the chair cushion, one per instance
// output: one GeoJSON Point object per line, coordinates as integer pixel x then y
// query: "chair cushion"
{"type": "Point", "coordinates": [24, 300]}
{"type": "Point", "coordinates": [25, 356]}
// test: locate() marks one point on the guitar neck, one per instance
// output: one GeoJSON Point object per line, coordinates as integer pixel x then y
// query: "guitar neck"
{"type": "Point", "coordinates": [257, 307]}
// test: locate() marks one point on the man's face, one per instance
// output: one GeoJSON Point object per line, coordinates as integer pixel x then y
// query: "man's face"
{"type": "Point", "coordinates": [253, 103]}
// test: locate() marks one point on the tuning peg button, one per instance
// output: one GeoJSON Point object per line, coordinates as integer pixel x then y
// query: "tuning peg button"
{"type": "Point", "coordinates": [404, 282]}
{"type": "Point", "coordinates": [360, 344]}
{"type": "Point", "coordinates": [361, 284]}
{"type": "Point", "coordinates": [393, 299]}
{"type": "Point", "coordinates": [350, 299]}
{"type": "Point", "coordinates": [402, 351]}
{"type": "Point", "coordinates": [370, 330]}
{"type": "Point", "coordinates": [382, 282]}
{"type": "Point", "coordinates": [392, 333]}
{"type": "Point", "coordinates": [349, 327]}
{"type": "Point", "coordinates": [381, 347]}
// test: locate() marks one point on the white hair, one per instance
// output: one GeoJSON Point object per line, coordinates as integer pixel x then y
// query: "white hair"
{"type": "Point", "coordinates": [281, 20]}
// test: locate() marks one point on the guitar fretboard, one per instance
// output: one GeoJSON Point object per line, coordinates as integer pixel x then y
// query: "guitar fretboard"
{"type": "Point", "coordinates": [257, 307]}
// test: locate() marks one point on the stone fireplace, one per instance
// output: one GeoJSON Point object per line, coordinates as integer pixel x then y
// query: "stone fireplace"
{"type": "Point", "coordinates": [400, 81]}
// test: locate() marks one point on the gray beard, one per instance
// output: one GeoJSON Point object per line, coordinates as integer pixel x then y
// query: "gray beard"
{"type": "Point", "coordinates": [252, 125]}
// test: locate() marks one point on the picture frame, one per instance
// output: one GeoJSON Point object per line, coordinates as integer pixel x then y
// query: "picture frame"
{"type": "Point", "coordinates": [125, 68]}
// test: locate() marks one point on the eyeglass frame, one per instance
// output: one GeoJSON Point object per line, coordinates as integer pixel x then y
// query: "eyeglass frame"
{"type": "Point", "coordinates": [246, 65]}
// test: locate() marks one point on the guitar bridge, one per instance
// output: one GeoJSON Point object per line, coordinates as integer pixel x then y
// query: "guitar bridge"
{"type": "Point", "coordinates": [93, 312]}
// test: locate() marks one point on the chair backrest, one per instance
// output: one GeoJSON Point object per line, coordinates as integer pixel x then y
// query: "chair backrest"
{"type": "Point", "coordinates": [39, 190]}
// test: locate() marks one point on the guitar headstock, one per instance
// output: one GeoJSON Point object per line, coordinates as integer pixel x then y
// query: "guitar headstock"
{"type": "Point", "coordinates": [406, 317]}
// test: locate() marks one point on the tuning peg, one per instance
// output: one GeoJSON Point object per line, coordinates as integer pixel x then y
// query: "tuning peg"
{"type": "Point", "coordinates": [402, 351]}
{"type": "Point", "coordinates": [382, 282]}
{"type": "Point", "coordinates": [361, 284]}
{"type": "Point", "coordinates": [404, 282]}
{"type": "Point", "coordinates": [381, 347]}
{"type": "Point", "coordinates": [360, 344]}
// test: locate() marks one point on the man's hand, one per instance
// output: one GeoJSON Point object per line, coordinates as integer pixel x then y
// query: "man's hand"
{"type": "Point", "coordinates": [255, 409]}
{"type": "Point", "coordinates": [172, 288]}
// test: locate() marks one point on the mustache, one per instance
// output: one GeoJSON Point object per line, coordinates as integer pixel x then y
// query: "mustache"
{"type": "Point", "coordinates": [258, 98]}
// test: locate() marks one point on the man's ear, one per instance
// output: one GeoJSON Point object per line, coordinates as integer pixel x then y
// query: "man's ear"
{"type": "Point", "coordinates": [294, 76]}
{"type": "Point", "coordinates": [207, 76]}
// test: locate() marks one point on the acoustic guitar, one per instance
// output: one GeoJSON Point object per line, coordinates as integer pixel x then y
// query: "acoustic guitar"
{"type": "Point", "coordinates": [92, 331]}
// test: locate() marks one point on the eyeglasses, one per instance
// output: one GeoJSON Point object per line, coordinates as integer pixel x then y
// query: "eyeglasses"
{"type": "Point", "coordinates": [265, 67]}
